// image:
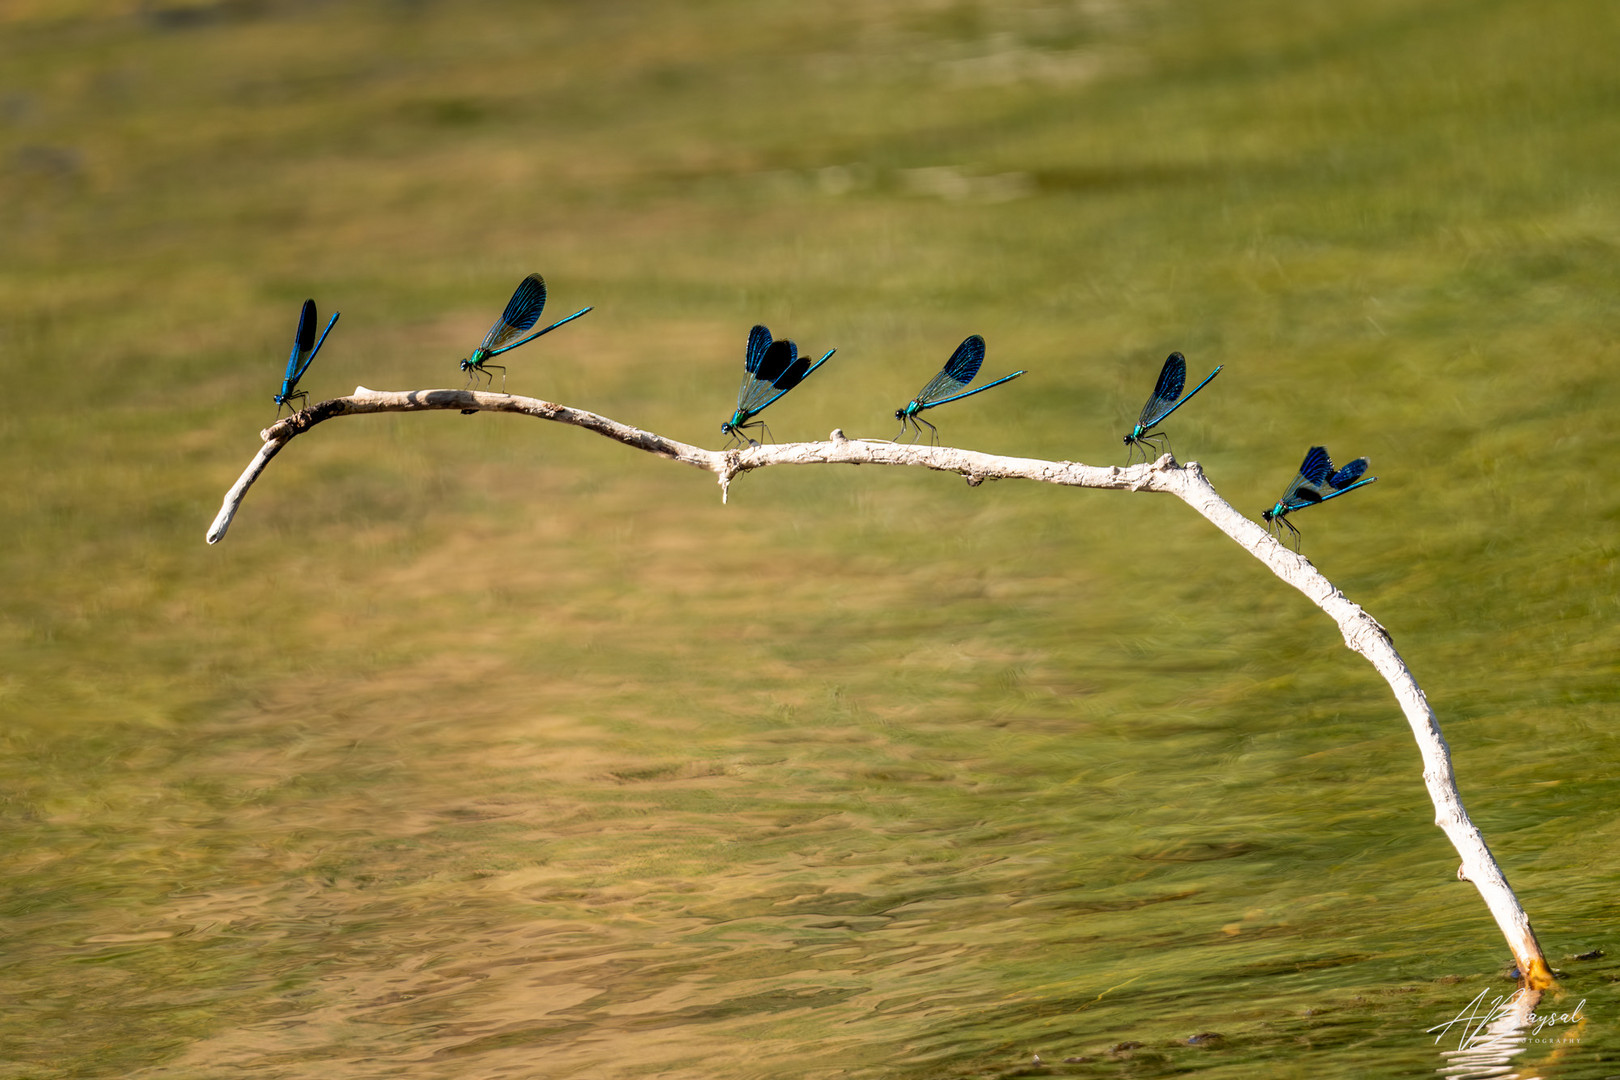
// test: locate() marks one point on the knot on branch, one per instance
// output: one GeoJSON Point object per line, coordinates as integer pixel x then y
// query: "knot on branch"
{"type": "Point", "coordinates": [730, 466]}
{"type": "Point", "coordinates": [282, 430]}
{"type": "Point", "coordinates": [1137, 480]}
{"type": "Point", "coordinates": [302, 420]}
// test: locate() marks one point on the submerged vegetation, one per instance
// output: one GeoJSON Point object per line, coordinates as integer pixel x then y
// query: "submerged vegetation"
{"type": "Point", "coordinates": [485, 745]}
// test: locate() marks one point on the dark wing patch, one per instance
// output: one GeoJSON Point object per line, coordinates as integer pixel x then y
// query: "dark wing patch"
{"type": "Point", "coordinates": [303, 342]}
{"type": "Point", "coordinates": [759, 340]}
{"type": "Point", "coordinates": [1317, 466]}
{"type": "Point", "coordinates": [794, 374]}
{"type": "Point", "coordinates": [527, 302]}
{"type": "Point", "coordinates": [522, 311]}
{"type": "Point", "coordinates": [1172, 381]}
{"type": "Point", "coordinates": [760, 386]}
{"type": "Point", "coordinates": [1348, 475]}
{"type": "Point", "coordinates": [306, 327]}
{"type": "Point", "coordinates": [778, 358]}
{"type": "Point", "coordinates": [964, 364]}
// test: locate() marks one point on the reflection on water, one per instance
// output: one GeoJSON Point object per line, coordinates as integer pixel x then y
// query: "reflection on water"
{"type": "Point", "coordinates": [1489, 1033]}
{"type": "Point", "coordinates": [1494, 1029]}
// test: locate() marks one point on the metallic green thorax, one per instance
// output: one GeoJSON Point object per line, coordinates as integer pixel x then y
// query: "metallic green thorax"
{"type": "Point", "coordinates": [738, 419]}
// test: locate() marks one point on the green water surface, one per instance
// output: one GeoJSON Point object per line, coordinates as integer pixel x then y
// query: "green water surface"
{"type": "Point", "coordinates": [489, 748]}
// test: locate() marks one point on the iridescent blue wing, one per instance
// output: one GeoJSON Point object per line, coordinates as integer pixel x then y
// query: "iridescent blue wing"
{"type": "Point", "coordinates": [961, 369]}
{"type": "Point", "coordinates": [1317, 466]}
{"type": "Point", "coordinates": [1348, 475]}
{"type": "Point", "coordinates": [794, 375]}
{"type": "Point", "coordinates": [964, 364]}
{"type": "Point", "coordinates": [760, 394]}
{"type": "Point", "coordinates": [522, 311]}
{"type": "Point", "coordinates": [1172, 380]}
{"type": "Point", "coordinates": [755, 385]}
{"type": "Point", "coordinates": [1306, 488]}
{"type": "Point", "coordinates": [303, 350]}
{"type": "Point", "coordinates": [1347, 480]}
{"type": "Point", "coordinates": [305, 346]}
{"type": "Point", "coordinates": [759, 340]}
{"type": "Point", "coordinates": [941, 385]}
{"type": "Point", "coordinates": [759, 389]}
{"type": "Point", "coordinates": [777, 360]}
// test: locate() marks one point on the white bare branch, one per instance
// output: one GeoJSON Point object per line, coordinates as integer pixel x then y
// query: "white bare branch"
{"type": "Point", "coordinates": [1362, 633]}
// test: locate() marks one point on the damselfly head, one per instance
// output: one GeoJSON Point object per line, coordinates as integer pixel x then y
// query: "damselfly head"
{"type": "Point", "coordinates": [1269, 514]}
{"type": "Point", "coordinates": [899, 414]}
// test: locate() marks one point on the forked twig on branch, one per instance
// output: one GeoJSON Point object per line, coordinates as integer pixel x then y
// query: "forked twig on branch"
{"type": "Point", "coordinates": [1362, 633]}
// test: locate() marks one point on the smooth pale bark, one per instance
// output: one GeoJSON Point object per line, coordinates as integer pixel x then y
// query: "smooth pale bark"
{"type": "Point", "coordinates": [1361, 631]}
